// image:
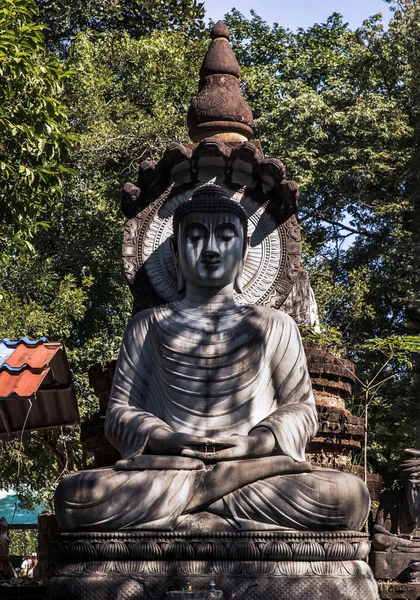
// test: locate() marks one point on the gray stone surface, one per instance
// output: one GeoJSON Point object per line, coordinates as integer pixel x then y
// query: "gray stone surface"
{"type": "Point", "coordinates": [279, 565]}
{"type": "Point", "coordinates": [348, 582]}
{"type": "Point", "coordinates": [398, 591]}
{"type": "Point", "coordinates": [392, 565]}
{"type": "Point", "coordinates": [212, 406]}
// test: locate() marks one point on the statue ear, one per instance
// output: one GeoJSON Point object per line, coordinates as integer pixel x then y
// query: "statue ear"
{"type": "Point", "coordinates": [180, 287]}
{"type": "Point", "coordinates": [238, 283]}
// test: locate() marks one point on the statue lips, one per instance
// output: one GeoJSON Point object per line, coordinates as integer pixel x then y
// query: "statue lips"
{"type": "Point", "coordinates": [211, 265]}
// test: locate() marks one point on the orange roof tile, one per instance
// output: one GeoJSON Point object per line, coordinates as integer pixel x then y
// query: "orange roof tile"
{"type": "Point", "coordinates": [22, 384]}
{"type": "Point", "coordinates": [35, 358]}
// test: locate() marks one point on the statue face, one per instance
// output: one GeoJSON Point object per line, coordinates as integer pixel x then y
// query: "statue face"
{"type": "Point", "coordinates": [210, 248]}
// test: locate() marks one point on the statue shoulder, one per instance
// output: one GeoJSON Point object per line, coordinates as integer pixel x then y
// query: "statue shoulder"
{"type": "Point", "coordinates": [276, 316]}
{"type": "Point", "coordinates": [144, 320]}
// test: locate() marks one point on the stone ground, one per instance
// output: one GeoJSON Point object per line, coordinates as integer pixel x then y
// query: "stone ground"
{"type": "Point", "coordinates": [399, 591]}
{"type": "Point", "coordinates": [9, 591]}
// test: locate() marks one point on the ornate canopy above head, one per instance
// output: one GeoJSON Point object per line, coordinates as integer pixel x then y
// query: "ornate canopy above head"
{"type": "Point", "coordinates": [259, 185]}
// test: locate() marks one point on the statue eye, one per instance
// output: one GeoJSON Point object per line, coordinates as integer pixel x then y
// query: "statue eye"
{"type": "Point", "coordinates": [195, 234]}
{"type": "Point", "coordinates": [226, 234]}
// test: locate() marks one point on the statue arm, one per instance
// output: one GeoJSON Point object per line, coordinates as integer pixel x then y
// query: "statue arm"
{"type": "Point", "coordinates": [294, 423]}
{"type": "Point", "coordinates": [128, 425]}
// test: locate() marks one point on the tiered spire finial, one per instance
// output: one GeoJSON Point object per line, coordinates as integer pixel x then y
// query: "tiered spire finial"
{"type": "Point", "coordinates": [219, 109]}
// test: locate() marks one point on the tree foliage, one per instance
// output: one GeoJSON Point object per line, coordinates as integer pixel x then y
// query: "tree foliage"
{"type": "Point", "coordinates": [332, 106]}
{"type": "Point", "coordinates": [23, 542]}
{"type": "Point", "coordinates": [136, 18]}
{"type": "Point", "coordinates": [35, 136]}
{"type": "Point", "coordinates": [126, 99]}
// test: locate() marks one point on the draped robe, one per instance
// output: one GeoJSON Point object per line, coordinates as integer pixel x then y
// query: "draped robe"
{"type": "Point", "coordinates": [211, 375]}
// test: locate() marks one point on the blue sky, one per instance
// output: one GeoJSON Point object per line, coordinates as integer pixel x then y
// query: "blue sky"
{"type": "Point", "coordinates": [300, 13]}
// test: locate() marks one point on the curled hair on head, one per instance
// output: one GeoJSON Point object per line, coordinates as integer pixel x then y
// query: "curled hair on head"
{"type": "Point", "coordinates": [209, 198]}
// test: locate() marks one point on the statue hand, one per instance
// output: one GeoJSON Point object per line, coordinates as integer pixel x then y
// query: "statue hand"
{"type": "Point", "coordinates": [260, 442]}
{"type": "Point", "coordinates": [167, 442]}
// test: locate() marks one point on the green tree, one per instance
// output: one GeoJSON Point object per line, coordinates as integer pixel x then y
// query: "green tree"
{"type": "Point", "coordinates": [136, 18]}
{"type": "Point", "coordinates": [23, 542]}
{"type": "Point", "coordinates": [34, 133]}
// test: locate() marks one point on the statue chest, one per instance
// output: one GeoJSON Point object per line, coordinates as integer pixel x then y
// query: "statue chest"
{"type": "Point", "coordinates": [213, 374]}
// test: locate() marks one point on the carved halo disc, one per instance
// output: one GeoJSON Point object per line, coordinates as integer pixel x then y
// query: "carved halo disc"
{"type": "Point", "coordinates": [267, 270]}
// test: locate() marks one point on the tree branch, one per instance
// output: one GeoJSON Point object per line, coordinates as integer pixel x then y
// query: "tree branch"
{"type": "Point", "coordinates": [43, 441]}
{"type": "Point", "coordinates": [348, 228]}
{"type": "Point", "coordinates": [304, 217]}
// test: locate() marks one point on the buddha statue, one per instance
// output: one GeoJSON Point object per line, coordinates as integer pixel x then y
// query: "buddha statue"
{"type": "Point", "coordinates": [211, 406]}
{"type": "Point", "coordinates": [397, 523]}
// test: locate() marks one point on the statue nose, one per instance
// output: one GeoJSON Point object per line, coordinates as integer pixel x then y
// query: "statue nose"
{"type": "Point", "coordinates": [211, 250]}
{"type": "Point", "coordinates": [211, 253]}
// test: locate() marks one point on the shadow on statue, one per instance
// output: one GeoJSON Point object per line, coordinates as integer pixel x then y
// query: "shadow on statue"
{"type": "Point", "coordinates": [211, 406]}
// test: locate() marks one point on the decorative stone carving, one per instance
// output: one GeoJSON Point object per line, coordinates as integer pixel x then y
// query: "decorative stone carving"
{"type": "Point", "coordinates": [219, 107]}
{"type": "Point", "coordinates": [403, 509]}
{"type": "Point", "coordinates": [259, 185]}
{"type": "Point", "coordinates": [244, 564]}
{"type": "Point", "coordinates": [278, 546]}
{"type": "Point", "coordinates": [242, 568]}
{"type": "Point", "coordinates": [240, 164]}
{"type": "Point", "coordinates": [396, 539]}
{"type": "Point", "coordinates": [269, 271]}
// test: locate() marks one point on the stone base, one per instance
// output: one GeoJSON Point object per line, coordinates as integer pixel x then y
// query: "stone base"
{"type": "Point", "coordinates": [392, 565]}
{"type": "Point", "coordinates": [96, 586]}
{"type": "Point", "coordinates": [349, 581]}
{"type": "Point", "coordinates": [251, 566]}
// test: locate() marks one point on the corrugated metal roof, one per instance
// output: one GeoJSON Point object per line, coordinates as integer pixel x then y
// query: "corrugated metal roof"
{"type": "Point", "coordinates": [11, 510]}
{"type": "Point", "coordinates": [36, 391]}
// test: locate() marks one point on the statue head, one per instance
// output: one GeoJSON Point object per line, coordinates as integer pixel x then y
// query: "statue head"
{"type": "Point", "coordinates": [210, 239]}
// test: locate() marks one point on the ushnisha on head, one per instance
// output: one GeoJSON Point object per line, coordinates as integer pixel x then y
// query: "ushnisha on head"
{"type": "Point", "coordinates": [210, 240]}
